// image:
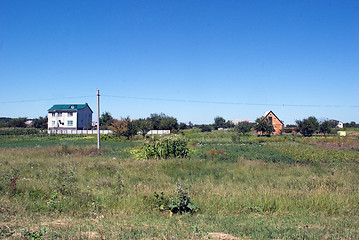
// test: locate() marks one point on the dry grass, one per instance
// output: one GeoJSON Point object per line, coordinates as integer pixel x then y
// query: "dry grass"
{"type": "Point", "coordinates": [238, 198]}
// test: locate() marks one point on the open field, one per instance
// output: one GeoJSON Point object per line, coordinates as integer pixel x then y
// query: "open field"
{"type": "Point", "coordinates": [281, 187]}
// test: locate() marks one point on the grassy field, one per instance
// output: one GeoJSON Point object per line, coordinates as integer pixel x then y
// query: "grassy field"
{"type": "Point", "coordinates": [285, 187]}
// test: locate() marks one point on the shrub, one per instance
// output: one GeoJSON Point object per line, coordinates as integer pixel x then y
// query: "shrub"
{"type": "Point", "coordinates": [243, 127]}
{"type": "Point", "coordinates": [181, 203]}
{"type": "Point", "coordinates": [173, 146]}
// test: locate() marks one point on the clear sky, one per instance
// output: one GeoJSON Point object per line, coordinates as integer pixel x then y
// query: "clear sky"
{"type": "Point", "coordinates": [190, 59]}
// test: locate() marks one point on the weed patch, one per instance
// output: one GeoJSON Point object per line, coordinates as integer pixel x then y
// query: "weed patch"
{"type": "Point", "coordinates": [181, 203]}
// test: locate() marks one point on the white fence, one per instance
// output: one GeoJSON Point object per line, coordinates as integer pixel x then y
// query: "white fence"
{"type": "Point", "coordinates": [78, 132]}
{"type": "Point", "coordinates": [159, 132]}
{"type": "Point", "coordinates": [67, 131]}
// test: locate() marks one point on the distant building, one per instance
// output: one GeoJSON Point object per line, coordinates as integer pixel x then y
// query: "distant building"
{"type": "Point", "coordinates": [236, 121]}
{"type": "Point", "coordinates": [69, 117]}
{"type": "Point", "coordinates": [28, 123]}
{"type": "Point", "coordinates": [340, 125]}
{"type": "Point", "coordinates": [275, 121]}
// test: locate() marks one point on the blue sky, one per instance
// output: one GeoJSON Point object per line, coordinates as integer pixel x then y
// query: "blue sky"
{"type": "Point", "coordinates": [191, 59]}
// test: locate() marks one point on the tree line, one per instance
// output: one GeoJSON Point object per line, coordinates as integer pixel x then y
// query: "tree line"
{"type": "Point", "coordinates": [129, 127]}
{"type": "Point", "coordinates": [39, 123]}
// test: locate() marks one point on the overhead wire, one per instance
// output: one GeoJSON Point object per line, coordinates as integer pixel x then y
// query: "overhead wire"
{"type": "Point", "coordinates": [229, 103]}
{"type": "Point", "coordinates": [187, 101]}
{"type": "Point", "coordinates": [42, 100]}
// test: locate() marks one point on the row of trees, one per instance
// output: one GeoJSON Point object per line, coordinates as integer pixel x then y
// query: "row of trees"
{"type": "Point", "coordinates": [307, 127]}
{"type": "Point", "coordinates": [40, 122]}
{"type": "Point", "coordinates": [129, 127]}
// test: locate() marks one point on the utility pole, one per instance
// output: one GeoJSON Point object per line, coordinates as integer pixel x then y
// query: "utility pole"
{"type": "Point", "coordinates": [98, 120]}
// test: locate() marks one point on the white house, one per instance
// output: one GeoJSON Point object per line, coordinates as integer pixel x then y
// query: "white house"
{"type": "Point", "coordinates": [69, 117]}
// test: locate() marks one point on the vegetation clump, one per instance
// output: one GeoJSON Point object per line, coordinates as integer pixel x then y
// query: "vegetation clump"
{"type": "Point", "coordinates": [180, 203]}
{"type": "Point", "coordinates": [166, 147]}
{"type": "Point", "coordinates": [263, 126]}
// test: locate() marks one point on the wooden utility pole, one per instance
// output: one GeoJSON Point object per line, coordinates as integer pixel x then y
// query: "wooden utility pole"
{"type": "Point", "coordinates": [98, 120]}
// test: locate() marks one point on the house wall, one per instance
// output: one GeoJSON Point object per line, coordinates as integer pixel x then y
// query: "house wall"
{"type": "Point", "coordinates": [62, 120]}
{"type": "Point", "coordinates": [84, 118]}
{"type": "Point", "coordinates": [277, 124]}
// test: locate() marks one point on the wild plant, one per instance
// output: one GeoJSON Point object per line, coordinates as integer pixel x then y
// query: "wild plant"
{"type": "Point", "coordinates": [180, 203]}
{"type": "Point", "coordinates": [54, 202]}
{"type": "Point", "coordinates": [8, 181]}
{"type": "Point", "coordinates": [34, 235]}
{"type": "Point", "coordinates": [65, 178]}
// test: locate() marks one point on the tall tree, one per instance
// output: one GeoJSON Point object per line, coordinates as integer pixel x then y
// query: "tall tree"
{"type": "Point", "coordinates": [263, 126]}
{"type": "Point", "coordinates": [17, 122]}
{"type": "Point", "coordinates": [325, 127]}
{"type": "Point", "coordinates": [40, 123]}
{"type": "Point", "coordinates": [119, 127]}
{"type": "Point", "coordinates": [307, 127]}
{"type": "Point", "coordinates": [243, 127]}
{"type": "Point", "coordinates": [106, 120]}
{"type": "Point", "coordinates": [219, 122]}
{"type": "Point", "coordinates": [144, 126]}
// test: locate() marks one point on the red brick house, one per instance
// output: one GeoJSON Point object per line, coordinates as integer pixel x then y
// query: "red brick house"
{"type": "Point", "coordinates": [276, 122]}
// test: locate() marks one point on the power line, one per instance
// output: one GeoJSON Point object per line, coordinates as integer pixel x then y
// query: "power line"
{"type": "Point", "coordinates": [189, 101]}
{"type": "Point", "coordinates": [42, 100]}
{"type": "Point", "coordinates": [230, 103]}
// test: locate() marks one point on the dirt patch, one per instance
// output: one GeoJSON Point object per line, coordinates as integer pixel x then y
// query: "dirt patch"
{"type": "Point", "coordinates": [222, 236]}
{"type": "Point", "coordinates": [90, 235]}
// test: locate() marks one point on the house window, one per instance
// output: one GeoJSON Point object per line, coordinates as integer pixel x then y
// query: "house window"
{"type": "Point", "coordinates": [70, 114]}
{"type": "Point", "coordinates": [53, 123]}
{"type": "Point", "coordinates": [270, 120]}
{"type": "Point", "coordinates": [53, 114]}
{"type": "Point", "coordinates": [59, 114]}
{"type": "Point", "coordinates": [70, 123]}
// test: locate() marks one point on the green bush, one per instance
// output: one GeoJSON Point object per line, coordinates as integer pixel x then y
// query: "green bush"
{"type": "Point", "coordinates": [166, 147]}
{"type": "Point", "coordinates": [181, 203]}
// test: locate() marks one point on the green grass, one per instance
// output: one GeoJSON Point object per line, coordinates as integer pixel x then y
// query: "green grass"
{"type": "Point", "coordinates": [252, 189]}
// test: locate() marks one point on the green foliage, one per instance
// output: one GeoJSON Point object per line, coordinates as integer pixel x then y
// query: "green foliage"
{"type": "Point", "coordinates": [181, 203]}
{"type": "Point", "coordinates": [352, 124]}
{"type": "Point", "coordinates": [65, 178]}
{"type": "Point", "coordinates": [5, 231]}
{"type": "Point", "coordinates": [310, 153]}
{"type": "Point", "coordinates": [34, 235]}
{"type": "Point", "coordinates": [124, 127]}
{"type": "Point", "coordinates": [143, 126]}
{"type": "Point", "coordinates": [233, 152]}
{"type": "Point", "coordinates": [263, 126]}
{"type": "Point", "coordinates": [205, 128]}
{"type": "Point", "coordinates": [20, 131]}
{"type": "Point", "coordinates": [40, 123]}
{"type": "Point", "coordinates": [162, 122]}
{"type": "Point", "coordinates": [8, 180]}
{"type": "Point", "coordinates": [243, 189]}
{"type": "Point", "coordinates": [307, 127]}
{"type": "Point", "coordinates": [325, 127]}
{"type": "Point", "coordinates": [17, 122]}
{"type": "Point", "coordinates": [219, 122]}
{"type": "Point", "coordinates": [166, 147]}
{"type": "Point", "coordinates": [106, 120]}
{"type": "Point", "coordinates": [243, 127]}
